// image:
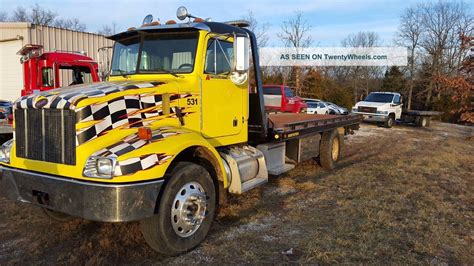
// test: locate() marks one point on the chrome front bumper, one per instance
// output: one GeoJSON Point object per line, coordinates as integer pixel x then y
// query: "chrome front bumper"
{"type": "Point", "coordinates": [371, 117]}
{"type": "Point", "coordinates": [92, 201]}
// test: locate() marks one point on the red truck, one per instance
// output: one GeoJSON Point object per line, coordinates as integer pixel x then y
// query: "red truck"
{"type": "Point", "coordinates": [44, 71]}
{"type": "Point", "coordinates": [280, 98]}
{"type": "Point", "coordinates": [47, 71]}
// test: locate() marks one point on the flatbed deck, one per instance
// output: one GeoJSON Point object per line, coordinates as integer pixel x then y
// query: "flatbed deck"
{"type": "Point", "coordinates": [422, 113]}
{"type": "Point", "coordinates": [418, 118]}
{"type": "Point", "coordinates": [292, 125]}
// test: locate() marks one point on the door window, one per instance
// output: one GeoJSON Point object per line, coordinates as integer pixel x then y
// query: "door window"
{"type": "Point", "coordinates": [396, 99]}
{"type": "Point", "coordinates": [47, 77]}
{"type": "Point", "coordinates": [288, 93]}
{"type": "Point", "coordinates": [219, 57]}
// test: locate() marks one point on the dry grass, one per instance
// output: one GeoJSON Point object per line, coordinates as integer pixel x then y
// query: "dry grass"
{"type": "Point", "coordinates": [400, 196]}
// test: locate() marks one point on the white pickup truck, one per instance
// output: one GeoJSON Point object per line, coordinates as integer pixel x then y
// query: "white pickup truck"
{"type": "Point", "coordinates": [380, 107]}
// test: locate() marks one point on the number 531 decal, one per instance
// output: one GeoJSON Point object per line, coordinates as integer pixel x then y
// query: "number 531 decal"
{"type": "Point", "coordinates": [192, 101]}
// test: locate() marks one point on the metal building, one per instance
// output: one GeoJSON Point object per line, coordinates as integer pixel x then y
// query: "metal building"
{"type": "Point", "coordinates": [14, 35]}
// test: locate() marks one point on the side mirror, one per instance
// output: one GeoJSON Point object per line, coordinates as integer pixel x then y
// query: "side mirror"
{"type": "Point", "coordinates": [241, 54]}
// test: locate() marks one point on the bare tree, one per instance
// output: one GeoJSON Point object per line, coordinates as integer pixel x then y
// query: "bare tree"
{"type": "Point", "coordinates": [45, 17]}
{"type": "Point", "coordinates": [409, 34]}
{"type": "Point", "coordinates": [260, 30]}
{"type": "Point", "coordinates": [295, 33]}
{"type": "Point", "coordinates": [361, 39]}
{"type": "Point", "coordinates": [41, 16]}
{"type": "Point", "coordinates": [442, 22]}
{"type": "Point", "coordinates": [20, 15]}
{"type": "Point", "coordinates": [361, 76]}
{"type": "Point", "coordinates": [3, 16]}
{"type": "Point", "coordinates": [108, 30]}
{"type": "Point", "coordinates": [70, 24]}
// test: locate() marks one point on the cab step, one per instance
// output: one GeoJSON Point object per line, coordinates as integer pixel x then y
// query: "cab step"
{"type": "Point", "coordinates": [275, 157]}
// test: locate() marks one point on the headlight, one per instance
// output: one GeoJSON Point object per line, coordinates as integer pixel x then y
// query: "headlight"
{"type": "Point", "coordinates": [105, 166]}
{"type": "Point", "coordinates": [5, 151]}
{"type": "Point", "coordinates": [100, 167]}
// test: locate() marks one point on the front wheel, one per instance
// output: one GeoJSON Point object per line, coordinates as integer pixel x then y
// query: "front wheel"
{"type": "Point", "coordinates": [186, 211]}
{"type": "Point", "coordinates": [389, 122]}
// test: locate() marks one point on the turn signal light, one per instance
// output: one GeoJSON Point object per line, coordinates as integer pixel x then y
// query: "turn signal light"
{"type": "Point", "coordinates": [144, 133]}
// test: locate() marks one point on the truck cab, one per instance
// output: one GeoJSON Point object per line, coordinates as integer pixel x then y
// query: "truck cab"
{"type": "Point", "coordinates": [50, 70]}
{"type": "Point", "coordinates": [380, 107]}
{"type": "Point", "coordinates": [280, 98]}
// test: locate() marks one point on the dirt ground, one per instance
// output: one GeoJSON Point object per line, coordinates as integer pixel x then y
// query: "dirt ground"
{"type": "Point", "coordinates": [402, 196]}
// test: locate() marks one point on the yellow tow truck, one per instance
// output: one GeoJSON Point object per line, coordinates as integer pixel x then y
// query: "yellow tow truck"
{"type": "Point", "coordinates": [175, 129]}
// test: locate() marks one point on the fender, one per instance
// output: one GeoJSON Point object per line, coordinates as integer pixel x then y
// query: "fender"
{"type": "Point", "coordinates": [141, 160]}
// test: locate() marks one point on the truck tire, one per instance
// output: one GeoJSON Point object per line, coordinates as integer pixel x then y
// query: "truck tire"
{"type": "Point", "coordinates": [390, 121]}
{"type": "Point", "coordinates": [428, 122]}
{"type": "Point", "coordinates": [423, 121]}
{"type": "Point", "coordinates": [330, 149]}
{"type": "Point", "coordinates": [186, 211]}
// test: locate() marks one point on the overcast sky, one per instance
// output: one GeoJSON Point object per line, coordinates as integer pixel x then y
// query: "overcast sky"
{"type": "Point", "coordinates": [331, 20]}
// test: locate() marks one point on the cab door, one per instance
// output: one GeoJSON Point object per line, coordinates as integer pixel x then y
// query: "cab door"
{"type": "Point", "coordinates": [222, 100]}
{"type": "Point", "coordinates": [397, 106]}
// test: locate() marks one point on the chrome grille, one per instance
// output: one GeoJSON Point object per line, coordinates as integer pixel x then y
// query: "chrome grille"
{"type": "Point", "coordinates": [366, 109]}
{"type": "Point", "coordinates": [46, 135]}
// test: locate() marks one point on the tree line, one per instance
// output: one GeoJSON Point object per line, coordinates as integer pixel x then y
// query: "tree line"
{"type": "Point", "coordinates": [41, 16]}
{"type": "Point", "coordinates": [439, 37]}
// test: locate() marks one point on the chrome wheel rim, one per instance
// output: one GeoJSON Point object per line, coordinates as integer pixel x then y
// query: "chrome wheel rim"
{"type": "Point", "coordinates": [189, 209]}
{"type": "Point", "coordinates": [335, 149]}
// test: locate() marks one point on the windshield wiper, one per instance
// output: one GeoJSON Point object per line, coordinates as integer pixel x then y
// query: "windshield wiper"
{"type": "Point", "coordinates": [122, 72]}
{"type": "Point", "coordinates": [168, 72]}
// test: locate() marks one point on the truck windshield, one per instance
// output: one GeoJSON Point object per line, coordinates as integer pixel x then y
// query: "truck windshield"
{"type": "Point", "coordinates": [379, 98]}
{"type": "Point", "coordinates": [155, 53]}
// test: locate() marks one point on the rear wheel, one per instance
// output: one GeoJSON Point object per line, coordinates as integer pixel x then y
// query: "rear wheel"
{"type": "Point", "coordinates": [423, 121]}
{"type": "Point", "coordinates": [330, 149]}
{"type": "Point", "coordinates": [186, 211]}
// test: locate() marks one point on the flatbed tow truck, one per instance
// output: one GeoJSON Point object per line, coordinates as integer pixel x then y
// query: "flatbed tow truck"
{"type": "Point", "coordinates": [387, 108]}
{"type": "Point", "coordinates": [174, 130]}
